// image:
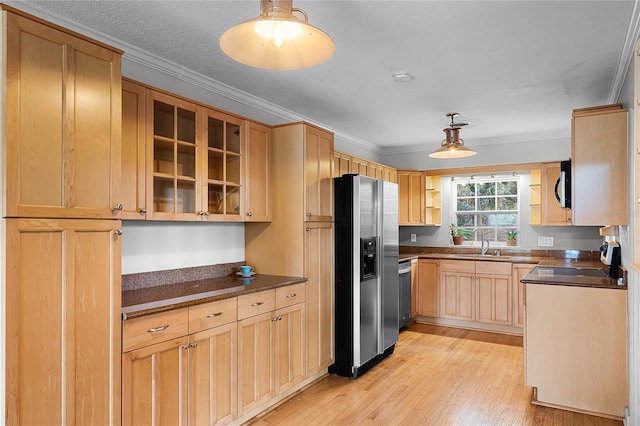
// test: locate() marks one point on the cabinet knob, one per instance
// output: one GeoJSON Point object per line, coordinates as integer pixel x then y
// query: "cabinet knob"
{"type": "Point", "coordinates": [257, 304]}
{"type": "Point", "coordinates": [200, 213]}
{"type": "Point", "coordinates": [185, 347]}
{"type": "Point", "coordinates": [117, 207]}
{"type": "Point", "coordinates": [308, 229]}
{"type": "Point", "coordinates": [207, 213]}
{"type": "Point", "coordinates": [291, 295]}
{"type": "Point", "coordinates": [194, 345]}
{"type": "Point", "coordinates": [308, 214]}
{"type": "Point", "coordinates": [249, 214]}
{"type": "Point", "coordinates": [118, 231]}
{"type": "Point", "coordinates": [143, 211]}
{"type": "Point", "coordinates": [216, 314]}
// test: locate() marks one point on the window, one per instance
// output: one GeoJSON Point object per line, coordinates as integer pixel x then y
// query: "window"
{"type": "Point", "coordinates": [491, 204]}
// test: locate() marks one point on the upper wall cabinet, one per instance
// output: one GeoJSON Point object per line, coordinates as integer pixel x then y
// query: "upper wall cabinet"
{"type": "Point", "coordinates": [133, 151]}
{"type": "Point", "coordinates": [411, 193]}
{"type": "Point", "coordinates": [599, 158]}
{"type": "Point", "coordinates": [62, 128]}
{"type": "Point", "coordinates": [257, 158]}
{"type": "Point", "coordinates": [545, 208]}
{"type": "Point", "coordinates": [344, 163]}
{"type": "Point", "coordinates": [194, 161]}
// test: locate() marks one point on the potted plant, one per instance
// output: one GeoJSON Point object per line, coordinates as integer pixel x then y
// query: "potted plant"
{"type": "Point", "coordinates": [512, 237]}
{"type": "Point", "coordinates": [458, 235]}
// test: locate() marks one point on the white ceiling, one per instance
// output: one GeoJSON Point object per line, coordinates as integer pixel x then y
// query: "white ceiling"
{"type": "Point", "coordinates": [512, 68]}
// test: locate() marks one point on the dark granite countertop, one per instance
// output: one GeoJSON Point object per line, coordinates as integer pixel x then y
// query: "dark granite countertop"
{"type": "Point", "coordinates": [151, 300]}
{"type": "Point", "coordinates": [573, 275]}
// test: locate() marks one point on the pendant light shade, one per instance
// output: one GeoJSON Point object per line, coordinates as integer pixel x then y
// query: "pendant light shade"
{"type": "Point", "coordinates": [453, 145]}
{"type": "Point", "coordinates": [277, 39]}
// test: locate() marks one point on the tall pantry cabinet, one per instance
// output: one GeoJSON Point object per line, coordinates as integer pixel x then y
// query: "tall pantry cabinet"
{"type": "Point", "coordinates": [61, 223]}
{"type": "Point", "coordinates": [299, 239]}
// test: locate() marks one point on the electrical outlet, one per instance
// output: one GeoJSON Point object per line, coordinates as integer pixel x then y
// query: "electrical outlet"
{"type": "Point", "coordinates": [545, 241]}
{"type": "Point", "coordinates": [413, 238]}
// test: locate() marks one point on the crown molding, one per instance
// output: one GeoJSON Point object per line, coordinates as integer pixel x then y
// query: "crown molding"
{"type": "Point", "coordinates": [633, 33]}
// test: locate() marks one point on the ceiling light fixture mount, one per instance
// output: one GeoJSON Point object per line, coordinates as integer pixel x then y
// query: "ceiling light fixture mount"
{"type": "Point", "coordinates": [277, 39]}
{"type": "Point", "coordinates": [453, 145]}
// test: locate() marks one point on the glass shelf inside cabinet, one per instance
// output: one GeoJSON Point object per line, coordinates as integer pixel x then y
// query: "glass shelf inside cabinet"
{"type": "Point", "coordinates": [233, 200]}
{"type": "Point", "coordinates": [216, 198]}
{"type": "Point", "coordinates": [163, 191]}
{"type": "Point", "coordinates": [163, 160]}
{"type": "Point", "coordinates": [233, 138]}
{"type": "Point", "coordinates": [186, 160]}
{"type": "Point", "coordinates": [185, 196]}
{"type": "Point", "coordinates": [215, 133]}
{"type": "Point", "coordinates": [233, 168]}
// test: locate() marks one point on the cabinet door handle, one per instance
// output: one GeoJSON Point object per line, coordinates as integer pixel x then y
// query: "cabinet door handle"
{"type": "Point", "coordinates": [290, 295]}
{"type": "Point", "coordinates": [257, 304]}
{"type": "Point", "coordinates": [156, 329]}
{"type": "Point", "coordinates": [216, 314]}
{"type": "Point", "coordinates": [143, 211]}
{"type": "Point", "coordinates": [185, 347]}
{"type": "Point", "coordinates": [207, 213]}
{"type": "Point", "coordinates": [308, 214]}
{"type": "Point", "coordinates": [201, 213]}
{"type": "Point", "coordinates": [194, 345]}
{"type": "Point", "coordinates": [118, 231]}
{"type": "Point", "coordinates": [117, 207]}
{"type": "Point", "coordinates": [249, 214]}
{"type": "Point", "coordinates": [308, 229]}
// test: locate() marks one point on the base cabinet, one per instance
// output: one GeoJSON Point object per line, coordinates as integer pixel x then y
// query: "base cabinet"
{"type": "Point", "coordinates": [428, 287]}
{"type": "Point", "coordinates": [62, 322]}
{"type": "Point", "coordinates": [271, 353]}
{"type": "Point", "coordinates": [576, 348]}
{"type": "Point", "coordinates": [175, 378]}
{"type": "Point", "coordinates": [519, 271]}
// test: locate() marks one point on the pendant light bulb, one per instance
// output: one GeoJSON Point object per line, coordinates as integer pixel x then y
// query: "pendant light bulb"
{"type": "Point", "coordinates": [278, 30]}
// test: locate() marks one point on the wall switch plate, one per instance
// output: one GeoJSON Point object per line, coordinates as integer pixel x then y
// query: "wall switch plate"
{"type": "Point", "coordinates": [413, 238]}
{"type": "Point", "coordinates": [545, 241]}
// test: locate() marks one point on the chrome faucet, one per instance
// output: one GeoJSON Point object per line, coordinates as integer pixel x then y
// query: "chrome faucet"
{"type": "Point", "coordinates": [483, 249]}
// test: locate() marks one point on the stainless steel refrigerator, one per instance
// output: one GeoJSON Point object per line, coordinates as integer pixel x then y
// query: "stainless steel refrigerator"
{"type": "Point", "coordinates": [366, 273]}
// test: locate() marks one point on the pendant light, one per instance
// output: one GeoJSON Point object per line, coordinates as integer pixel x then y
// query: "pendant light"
{"type": "Point", "coordinates": [453, 145]}
{"type": "Point", "coordinates": [277, 39]}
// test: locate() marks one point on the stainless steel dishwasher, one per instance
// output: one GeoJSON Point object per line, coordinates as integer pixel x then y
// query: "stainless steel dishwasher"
{"type": "Point", "coordinates": [404, 272]}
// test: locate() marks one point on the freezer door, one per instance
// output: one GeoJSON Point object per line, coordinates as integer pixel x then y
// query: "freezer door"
{"type": "Point", "coordinates": [369, 321]}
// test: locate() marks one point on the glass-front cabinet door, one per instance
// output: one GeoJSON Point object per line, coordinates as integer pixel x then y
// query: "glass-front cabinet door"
{"type": "Point", "coordinates": [173, 159]}
{"type": "Point", "coordinates": [225, 143]}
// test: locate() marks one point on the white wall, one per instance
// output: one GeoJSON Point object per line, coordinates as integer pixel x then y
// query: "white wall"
{"type": "Point", "coordinates": [154, 246]}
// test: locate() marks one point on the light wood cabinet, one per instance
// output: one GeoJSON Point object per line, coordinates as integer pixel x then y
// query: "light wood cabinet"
{"type": "Point", "coordinates": [271, 347]}
{"type": "Point", "coordinates": [341, 164]}
{"type": "Point", "coordinates": [179, 367]}
{"type": "Point", "coordinates": [344, 164]}
{"type": "Point", "coordinates": [154, 387]}
{"type": "Point", "coordinates": [194, 161]}
{"type": "Point", "coordinates": [576, 348]}
{"type": "Point", "coordinates": [414, 287]}
{"type": "Point", "coordinates": [599, 162]}
{"type": "Point", "coordinates": [133, 168]}
{"type": "Point", "coordinates": [428, 287]}
{"type": "Point", "coordinates": [62, 122]}
{"type": "Point", "coordinates": [478, 291]}
{"type": "Point", "coordinates": [433, 201]}
{"type": "Point", "coordinates": [519, 271]}
{"type": "Point", "coordinates": [494, 299]}
{"type": "Point", "coordinates": [256, 188]}
{"type": "Point", "coordinates": [411, 193]}
{"type": "Point", "coordinates": [552, 213]}
{"type": "Point", "coordinates": [457, 290]}
{"type": "Point", "coordinates": [62, 321]}
{"type": "Point", "coordinates": [318, 175]}
{"type": "Point", "coordinates": [318, 268]}
{"type": "Point", "coordinates": [299, 239]}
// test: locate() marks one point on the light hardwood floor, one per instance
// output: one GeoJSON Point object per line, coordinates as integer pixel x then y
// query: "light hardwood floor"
{"type": "Point", "coordinates": [437, 376]}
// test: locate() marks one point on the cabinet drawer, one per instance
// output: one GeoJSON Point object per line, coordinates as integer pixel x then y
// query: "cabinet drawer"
{"type": "Point", "coordinates": [144, 331]}
{"type": "Point", "coordinates": [290, 295]}
{"type": "Point", "coordinates": [209, 315]}
{"type": "Point", "coordinates": [256, 303]}
{"type": "Point", "coordinates": [493, 268]}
